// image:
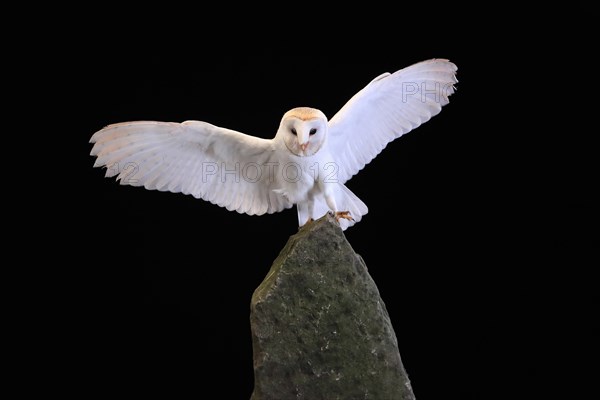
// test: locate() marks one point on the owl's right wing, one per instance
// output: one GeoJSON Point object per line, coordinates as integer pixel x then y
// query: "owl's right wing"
{"type": "Point", "coordinates": [222, 166]}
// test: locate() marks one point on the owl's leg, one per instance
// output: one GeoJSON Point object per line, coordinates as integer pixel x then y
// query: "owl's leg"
{"type": "Point", "coordinates": [305, 210]}
{"type": "Point", "coordinates": [333, 207]}
{"type": "Point", "coordinates": [310, 208]}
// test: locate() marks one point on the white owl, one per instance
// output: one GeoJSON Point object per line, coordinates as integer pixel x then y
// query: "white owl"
{"type": "Point", "coordinates": [306, 164]}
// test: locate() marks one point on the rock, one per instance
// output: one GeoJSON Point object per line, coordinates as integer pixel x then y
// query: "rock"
{"type": "Point", "coordinates": [320, 329]}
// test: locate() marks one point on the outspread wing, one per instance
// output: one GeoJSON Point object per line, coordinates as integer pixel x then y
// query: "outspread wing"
{"type": "Point", "coordinates": [387, 108]}
{"type": "Point", "coordinates": [219, 165]}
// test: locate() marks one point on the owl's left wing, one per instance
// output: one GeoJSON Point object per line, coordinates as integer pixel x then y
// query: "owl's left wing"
{"type": "Point", "coordinates": [387, 108]}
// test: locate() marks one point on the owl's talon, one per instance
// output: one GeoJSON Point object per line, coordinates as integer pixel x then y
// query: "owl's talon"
{"type": "Point", "coordinates": [344, 215]}
{"type": "Point", "coordinates": [308, 221]}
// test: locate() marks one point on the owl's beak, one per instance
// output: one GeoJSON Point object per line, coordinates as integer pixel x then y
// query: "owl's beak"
{"type": "Point", "coordinates": [303, 146]}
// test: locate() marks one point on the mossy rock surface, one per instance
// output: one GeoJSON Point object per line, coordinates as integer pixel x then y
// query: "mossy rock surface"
{"type": "Point", "coordinates": [320, 329]}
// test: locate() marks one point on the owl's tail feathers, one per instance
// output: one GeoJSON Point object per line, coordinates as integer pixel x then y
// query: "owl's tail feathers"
{"type": "Point", "coordinates": [345, 201]}
{"type": "Point", "coordinates": [348, 201]}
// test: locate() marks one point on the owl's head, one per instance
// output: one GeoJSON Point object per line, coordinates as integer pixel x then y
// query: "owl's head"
{"type": "Point", "coordinates": [303, 130]}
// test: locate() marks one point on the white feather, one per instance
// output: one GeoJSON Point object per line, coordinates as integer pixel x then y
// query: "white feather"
{"type": "Point", "coordinates": [387, 108]}
{"type": "Point", "coordinates": [175, 157]}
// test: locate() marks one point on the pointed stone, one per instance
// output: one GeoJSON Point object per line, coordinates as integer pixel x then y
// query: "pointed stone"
{"type": "Point", "coordinates": [320, 329]}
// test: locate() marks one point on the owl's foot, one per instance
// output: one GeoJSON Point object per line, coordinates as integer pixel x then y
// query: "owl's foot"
{"type": "Point", "coordinates": [343, 214]}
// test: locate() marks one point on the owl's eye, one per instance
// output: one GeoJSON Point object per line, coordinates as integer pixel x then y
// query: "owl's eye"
{"type": "Point", "coordinates": [294, 131]}
{"type": "Point", "coordinates": [313, 131]}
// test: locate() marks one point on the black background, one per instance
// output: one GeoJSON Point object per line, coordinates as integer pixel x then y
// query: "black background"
{"type": "Point", "coordinates": [478, 234]}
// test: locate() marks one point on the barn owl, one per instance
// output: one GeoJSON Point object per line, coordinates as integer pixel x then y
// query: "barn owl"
{"type": "Point", "coordinates": [305, 164]}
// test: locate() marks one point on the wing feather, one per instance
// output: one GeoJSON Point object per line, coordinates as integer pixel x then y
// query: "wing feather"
{"type": "Point", "coordinates": [387, 108]}
{"type": "Point", "coordinates": [192, 157]}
